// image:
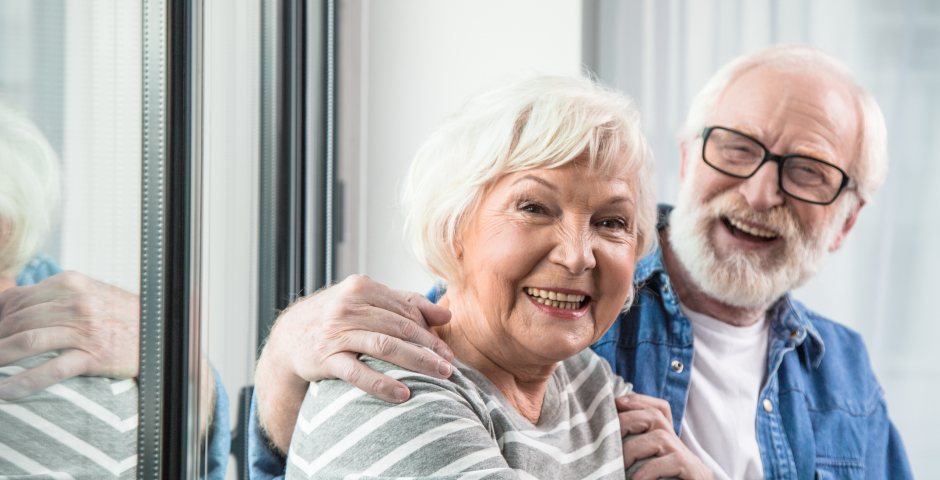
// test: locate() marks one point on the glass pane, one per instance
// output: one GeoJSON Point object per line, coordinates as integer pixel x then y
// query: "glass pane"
{"type": "Point", "coordinates": [70, 160]}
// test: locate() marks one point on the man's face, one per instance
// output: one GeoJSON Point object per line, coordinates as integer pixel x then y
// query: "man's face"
{"type": "Point", "coordinates": [744, 241]}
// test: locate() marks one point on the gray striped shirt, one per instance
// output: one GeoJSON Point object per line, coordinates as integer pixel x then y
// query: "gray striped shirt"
{"type": "Point", "coordinates": [462, 427]}
{"type": "Point", "coordinates": [82, 428]}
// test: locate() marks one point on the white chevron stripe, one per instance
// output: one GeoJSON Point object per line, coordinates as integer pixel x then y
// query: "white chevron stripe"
{"type": "Point", "coordinates": [584, 375]}
{"type": "Point", "coordinates": [564, 458]}
{"type": "Point", "coordinates": [468, 461]}
{"type": "Point", "coordinates": [414, 445]}
{"type": "Point", "coordinates": [87, 404]}
{"type": "Point", "coordinates": [606, 469]}
{"type": "Point", "coordinates": [69, 440]}
{"type": "Point", "coordinates": [359, 433]}
{"type": "Point", "coordinates": [118, 388]}
{"type": "Point", "coordinates": [576, 420]}
{"type": "Point", "coordinates": [28, 464]}
{"type": "Point", "coordinates": [307, 426]}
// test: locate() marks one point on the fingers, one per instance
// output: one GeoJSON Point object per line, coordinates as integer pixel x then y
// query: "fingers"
{"type": "Point", "coordinates": [348, 367]}
{"type": "Point", "coordinates": [656, 443]}
{"type": "Point", "coordinates": [433, 314]}
{"type": "Point", "coordinates": [67, 365]}
{"type": "Point", "coordinates": [638, 401]}
{"type": "Point", "coordinates": [383, 321]}
{"type": "Point", "coordinates": [673, 465]}
{"type": "Point", "coordinates": [33, 342]}
{"type": "Point", "coordinates": [403, 354]}
{"type": "Point", "coordinates": [29, 318]}
{"type": "Point", "coordinates": [641, 421]}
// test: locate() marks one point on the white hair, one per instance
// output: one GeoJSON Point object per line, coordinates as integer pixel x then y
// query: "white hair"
{"type": "Point", "coordinates": [871, 166]}
{"type": "Point", "coordinates": [29, 190]}
{"type": "Point", "coordinates": [532, 123]}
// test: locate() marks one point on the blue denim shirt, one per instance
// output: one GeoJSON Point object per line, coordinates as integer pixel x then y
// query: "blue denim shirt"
{"type": "Point", "coordinates": [828, 418]}
{"type": "Point", "coordinates": [220, 437]}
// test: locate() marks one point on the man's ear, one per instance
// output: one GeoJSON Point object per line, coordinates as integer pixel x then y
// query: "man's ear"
{"type": "Point", "coordinates": [849, 223]}
{"type": "Point", "coordinates": [684, 148]}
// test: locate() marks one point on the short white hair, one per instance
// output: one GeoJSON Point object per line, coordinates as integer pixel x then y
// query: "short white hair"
{"type": "Point", "coordinates": [29, 190]}
{"type": "Point", "coordinates": [530, 123]}
{"type": "Point", "coordinates": [871, 166]}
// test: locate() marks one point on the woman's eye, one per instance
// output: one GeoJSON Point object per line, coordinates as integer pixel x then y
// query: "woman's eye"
{"type": "Point", "coordinates": [613, 224]}
{"type": "Point", "coordinates": [532, 208]}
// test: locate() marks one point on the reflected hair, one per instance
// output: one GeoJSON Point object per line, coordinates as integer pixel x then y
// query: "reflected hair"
{"type": "Point", "coordinates": [29, 190]}
{"type": "Point", "coordinates": [533, 122]}
{"type": "Point", "coordinates": [871, 165]}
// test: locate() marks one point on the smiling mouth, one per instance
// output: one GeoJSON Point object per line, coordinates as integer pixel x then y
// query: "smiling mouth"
{"type": "Point", "coordinates": [558, 300]}
{"type": "Point", "coordinates": [747, 232]}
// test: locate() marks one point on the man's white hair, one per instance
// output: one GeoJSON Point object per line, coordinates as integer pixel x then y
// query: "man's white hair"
{"type": "Point", "coordinates": [871, 166]}
{"type": "Point", "coordinates": [532, 123]}
{"type": "Point", "coordinates": [29, 190]}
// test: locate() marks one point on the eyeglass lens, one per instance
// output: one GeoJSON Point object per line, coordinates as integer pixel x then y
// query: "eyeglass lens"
{"type": "Point", "coordinates": [802, 177]}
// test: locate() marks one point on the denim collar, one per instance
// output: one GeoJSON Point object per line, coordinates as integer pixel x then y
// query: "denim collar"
{"type": "Point", "coordinates": [788, 318]}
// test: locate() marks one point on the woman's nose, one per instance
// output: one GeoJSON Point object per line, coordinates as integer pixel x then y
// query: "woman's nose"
{"type": "Point", "coordinates": [575, 251]}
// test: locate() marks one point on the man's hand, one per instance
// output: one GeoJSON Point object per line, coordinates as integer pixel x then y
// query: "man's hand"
{"type": "Point", "coordinates": [322, 335]}
{"type": "Point", "coordinates": [649, 421]}
{"type": "Point", "coordinates": [97, 327]}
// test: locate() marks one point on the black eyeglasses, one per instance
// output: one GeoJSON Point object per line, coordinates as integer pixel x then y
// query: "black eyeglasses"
{"type": "Point", "coordinates": [803, 178]}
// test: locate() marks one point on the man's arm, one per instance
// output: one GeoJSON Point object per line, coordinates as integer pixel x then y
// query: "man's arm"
{"type": "Point", "coordinates": [322, 335]}
{"type": "Point", "coordinates": [886, 455]}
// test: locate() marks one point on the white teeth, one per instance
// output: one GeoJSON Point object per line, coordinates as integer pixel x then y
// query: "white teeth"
{"type": "Point", "coordinates": [555, 299]}
{"type": "Point", "coordinates": [757, 232]}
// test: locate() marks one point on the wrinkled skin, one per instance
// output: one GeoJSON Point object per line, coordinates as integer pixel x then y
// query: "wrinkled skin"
{"type": "Point", "coordinates": [97, 327]}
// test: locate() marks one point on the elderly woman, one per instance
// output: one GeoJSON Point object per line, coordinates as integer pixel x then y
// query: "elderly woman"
{"type": "Point", "coordinates": [532, 205]}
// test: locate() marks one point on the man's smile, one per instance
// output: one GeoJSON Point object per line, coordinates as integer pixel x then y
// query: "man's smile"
{"type": "Point", "coordinates": [749, 231]}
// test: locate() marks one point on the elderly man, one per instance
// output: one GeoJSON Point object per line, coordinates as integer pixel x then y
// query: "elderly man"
{"type": "Point", "coordinates": [780, 151]}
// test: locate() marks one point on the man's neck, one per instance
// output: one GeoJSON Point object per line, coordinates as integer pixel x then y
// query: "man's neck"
{"type": "Point", "coordinates": [697, 300]}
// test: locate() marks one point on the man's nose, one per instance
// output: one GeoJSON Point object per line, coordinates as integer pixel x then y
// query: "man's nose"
{"type": "Point", "coordinates": [762, 190]}
{"type": "Point", "coordinates": [575, 250]}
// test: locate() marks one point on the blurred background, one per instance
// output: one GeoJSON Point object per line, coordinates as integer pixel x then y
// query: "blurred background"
{"type": "Point", "coordinates": [402, 67]}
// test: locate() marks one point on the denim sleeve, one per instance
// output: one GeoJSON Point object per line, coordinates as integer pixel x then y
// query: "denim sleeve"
{"type": "Point", "coordinates": [886, 455]}
{"type": "Point", "coordinates": [263, 463]}
{"type": "Point", "coordinates": [220, 434]}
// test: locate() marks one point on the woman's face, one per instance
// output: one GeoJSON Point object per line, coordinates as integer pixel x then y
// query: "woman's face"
{"type": "Point", "coordinates": [565, 233]}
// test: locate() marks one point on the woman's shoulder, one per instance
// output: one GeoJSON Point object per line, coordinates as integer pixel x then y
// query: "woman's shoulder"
{"type": "Point", "coordinates": [590, 367]}
{"type": "Point", "coordinates": [84, 426]}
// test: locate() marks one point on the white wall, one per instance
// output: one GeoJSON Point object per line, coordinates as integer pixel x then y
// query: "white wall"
{"type": "Point", "coordinates": [404, 67]}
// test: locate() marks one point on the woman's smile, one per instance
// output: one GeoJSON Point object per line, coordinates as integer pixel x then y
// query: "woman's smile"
{"type": "Point", "coordinates": [559, 302]}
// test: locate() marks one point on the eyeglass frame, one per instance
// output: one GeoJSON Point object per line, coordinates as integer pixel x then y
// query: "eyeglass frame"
{"type": "Point", "coordinates": [779, 159]}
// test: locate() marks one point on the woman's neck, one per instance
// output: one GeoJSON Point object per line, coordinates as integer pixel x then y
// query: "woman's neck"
{"type": "Point", "coordinates": [7, 283]}
{"type": "Point", "coordinates": [497, 357]}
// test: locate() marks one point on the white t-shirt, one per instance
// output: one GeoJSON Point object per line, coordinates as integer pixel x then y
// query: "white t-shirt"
{"type": "Point", "coordinates": [720, 415]}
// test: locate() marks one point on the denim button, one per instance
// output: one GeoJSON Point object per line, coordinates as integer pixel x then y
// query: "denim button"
{"type": "Point", "coordinates": [794, 333]}
{"type": "Point", "coordinates": [768, 407]}
{"type": "Point", "coordinates": [677, 366]}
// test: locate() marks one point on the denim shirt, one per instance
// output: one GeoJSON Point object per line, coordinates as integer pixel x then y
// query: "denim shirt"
{"type": "Point", "coordinates": [220, 439]}
{"type": "Point", "coordinates": [827, 418]}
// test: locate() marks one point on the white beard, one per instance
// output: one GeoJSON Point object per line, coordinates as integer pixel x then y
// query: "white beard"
{"type": "Point", "coordinates": [747, 279]}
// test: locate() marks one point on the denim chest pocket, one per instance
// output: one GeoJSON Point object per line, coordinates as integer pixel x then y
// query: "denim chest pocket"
{"type": "Point", "coordinates": [841, 441]}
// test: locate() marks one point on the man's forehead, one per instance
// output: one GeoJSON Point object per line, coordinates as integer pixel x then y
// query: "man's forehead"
{"type": "Point", "coordinates": [810, 113]}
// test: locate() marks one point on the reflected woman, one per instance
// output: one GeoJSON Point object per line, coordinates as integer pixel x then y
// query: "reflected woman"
{"type": "Point", "coordinates": [85, 427]}
{"type": "Point", "coordinates": [532, 205]}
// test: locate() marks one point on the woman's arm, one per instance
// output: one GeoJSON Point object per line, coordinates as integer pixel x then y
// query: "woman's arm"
{"type": "Point", "coordinates": [440, 432]}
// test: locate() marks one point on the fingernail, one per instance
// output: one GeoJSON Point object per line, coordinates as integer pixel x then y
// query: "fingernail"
{"type": "Point", "coordinates": [401, 394]}
{"type": "Point", "coordinates": [444, 369]}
